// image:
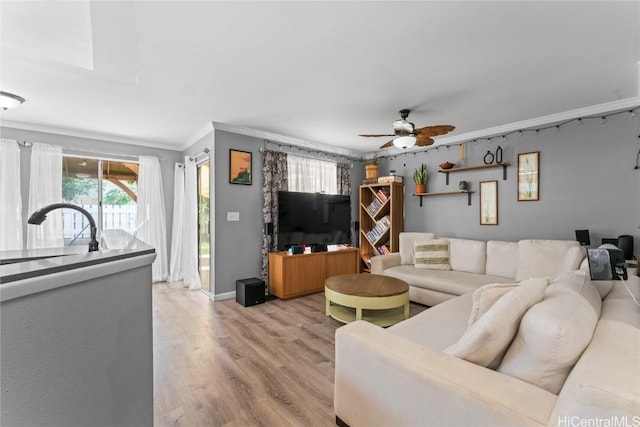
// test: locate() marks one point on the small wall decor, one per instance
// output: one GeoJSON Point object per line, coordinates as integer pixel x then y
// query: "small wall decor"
{"type": "Point", "coordinates": [488, 158]}
{"type": "Point", "coordinates": [239, 167]}
{"type": "Point", "coordinates": [529, 176]}
{"type": "Point", "coordinates": [489, 203]}
{"type": "Point", "coordinates": [499, 155]}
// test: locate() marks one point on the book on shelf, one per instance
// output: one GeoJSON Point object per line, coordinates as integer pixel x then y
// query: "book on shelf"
{"type": "Point", "coordinates": [370, 181]}
{"type": "Point", "coordinates": [383, 194]}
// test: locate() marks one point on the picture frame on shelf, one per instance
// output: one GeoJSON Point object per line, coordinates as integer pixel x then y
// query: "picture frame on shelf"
{"type": "Point", "coordinates": [240, 167]}
{"type": "Point", "coordinates": [489, 202]}
{"type": "Point", "coordinates": [529, 176]}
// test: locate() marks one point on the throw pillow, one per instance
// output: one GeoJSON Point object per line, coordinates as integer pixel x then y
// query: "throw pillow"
{"type": "Point", "coordinates": [554, 333]}
{"type": "Point", "coordinates": [432, 254]}
{"type": "Point", "coordinates": [484, 297]}
{"type": "Point", "coordinates": [407, 241]}
{"type": "Point", "coordinates": [486, 341]}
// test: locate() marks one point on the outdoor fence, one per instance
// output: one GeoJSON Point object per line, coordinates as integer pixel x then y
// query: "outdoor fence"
{"type": "Point", "coordinates": [114, 216]}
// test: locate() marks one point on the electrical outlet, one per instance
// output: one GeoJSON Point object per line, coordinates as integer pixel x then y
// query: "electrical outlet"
{"type": "Point", "coordinates": [233, 216]}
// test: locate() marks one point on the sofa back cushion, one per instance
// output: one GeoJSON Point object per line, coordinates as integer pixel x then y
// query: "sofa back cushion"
{"type": "Point", "coordinates": [407, 242]}
{"type": "Point", "coordinates": [554, 333]}
{"type": "Point", "coordinates": [502, 258]}
{"type": "Point", "coordinates": [432, 254]}
{"type": "Point", "coordinates": [468, 255]}
{"type": "Point", "coordinates": [540, 258]}
{"type": "Point", "coordinates": [487, 340]}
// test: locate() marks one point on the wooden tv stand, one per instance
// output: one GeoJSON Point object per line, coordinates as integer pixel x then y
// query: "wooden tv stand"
{"type": "Point", "coordinates": [293, 276]}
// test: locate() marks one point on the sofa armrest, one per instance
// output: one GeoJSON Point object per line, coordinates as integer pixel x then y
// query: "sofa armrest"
{"type": "Point", "coordinates": [385, 379]}
{"type": "Point", "coordinates": [382, 262]}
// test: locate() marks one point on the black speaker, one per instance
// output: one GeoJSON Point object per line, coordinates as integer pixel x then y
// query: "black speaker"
{"type": "Point", "coordinates": [625, 242]}
{"type": "Point", "coordinates": [606, 264]}
{"type": "Point", "coordinates": [608, 241]}
{"type": "Point", "coordinates": [582, 236]}
{"type": "Point", "coordinates": [297, 249]}
{"type": "Point", "coordinates": [268, 228]}
{"type": "Point", "coordinates": [249, 291]}
{"type": "Point", "coordinates": [318, 248]}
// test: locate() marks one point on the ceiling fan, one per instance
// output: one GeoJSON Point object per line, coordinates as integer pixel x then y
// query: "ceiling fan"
{"type": "Point", "coordinates": [406, 135]}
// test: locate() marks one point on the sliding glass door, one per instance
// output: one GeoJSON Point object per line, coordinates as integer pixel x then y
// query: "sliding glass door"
{"type": "Point", "coordinates": [204, 258]}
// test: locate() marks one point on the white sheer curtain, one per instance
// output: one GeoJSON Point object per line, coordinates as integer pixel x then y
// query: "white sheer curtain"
{"type": "Point", "coordinates": [175, 265]}
{"type": "Point", "coordinates": [45, 188]}
{"type": "Point", "coordinates": [311, 175]}
{"type": "Point", "coordinates": [151, 220]}
{"type": "Point", "coordinates": [190, 226]}
{"type": "Point", "coordinates": [10, 197]}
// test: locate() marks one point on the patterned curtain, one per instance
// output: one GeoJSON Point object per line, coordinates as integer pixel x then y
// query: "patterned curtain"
{"type": "Point", "coordinates": [344, 179]}
{"type": "Point", "coordinates": [274, 179]}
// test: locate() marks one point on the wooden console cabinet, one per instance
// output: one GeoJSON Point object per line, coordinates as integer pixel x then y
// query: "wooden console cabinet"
{"type": "Point", "coordinates": [293, 276]}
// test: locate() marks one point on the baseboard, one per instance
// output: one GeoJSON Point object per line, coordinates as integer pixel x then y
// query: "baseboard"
{"type": "Point", "coordinates": [226, 295]}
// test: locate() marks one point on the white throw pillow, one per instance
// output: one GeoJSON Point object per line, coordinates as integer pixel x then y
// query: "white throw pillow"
{"type": "Point", "coordinates": [554, 333]}
{"type": "Point", "coordinates": [485, 297]}
{"type": "Point", "coordinates": [486, 341]}
{"type": "Point", "coordinates": [407, 241]}
{"type": "Point", "coordinates": [432, 254]}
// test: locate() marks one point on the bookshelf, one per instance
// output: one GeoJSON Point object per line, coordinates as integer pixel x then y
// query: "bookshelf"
{"type": "Point", "coordinates": [381, 220]}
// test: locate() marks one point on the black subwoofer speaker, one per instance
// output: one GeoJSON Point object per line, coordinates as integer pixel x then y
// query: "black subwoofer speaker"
{"type": "Point", "coordinates": [625, 242]}
{"type": "Point", "coordinates": [249, 291]}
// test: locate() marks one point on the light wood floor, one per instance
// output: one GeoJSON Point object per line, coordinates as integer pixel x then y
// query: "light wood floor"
{"type": "Point", "coordinates": [221, 364]}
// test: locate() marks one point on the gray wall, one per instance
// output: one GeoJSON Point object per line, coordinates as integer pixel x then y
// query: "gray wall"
{"type": "Point", "coordinates": [95, 148]}
{"type": "Point", "coordinates": [587, 182]}
{"type": "Point", "coordinates": [238, 245]}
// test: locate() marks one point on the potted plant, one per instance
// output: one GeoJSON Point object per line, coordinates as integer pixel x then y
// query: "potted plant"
{"type": "Point", "coordinates": [420, 178]}
{"type": "Point", "coordinates": [371, 167]}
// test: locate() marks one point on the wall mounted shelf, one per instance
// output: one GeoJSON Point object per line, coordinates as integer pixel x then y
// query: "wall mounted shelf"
{"type": "Point", "coordinates": [477, 167]}
{"type": "Point", "coordinates": [445, 193]}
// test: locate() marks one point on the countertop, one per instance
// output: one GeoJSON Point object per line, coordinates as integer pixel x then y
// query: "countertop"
{"type": "Point", "coordinates": [115, 245]}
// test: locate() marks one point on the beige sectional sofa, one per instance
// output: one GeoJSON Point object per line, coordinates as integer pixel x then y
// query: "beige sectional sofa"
{"type": "Point", "coordinates": [560, 350]}
{"type": "Point", "coordinates": [475, 263]}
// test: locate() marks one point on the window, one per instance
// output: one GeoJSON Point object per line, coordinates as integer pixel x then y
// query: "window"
{"type": "Point", "coordinates": [107, 189]}
{"type": "Point", "coordinates": [311, 175]}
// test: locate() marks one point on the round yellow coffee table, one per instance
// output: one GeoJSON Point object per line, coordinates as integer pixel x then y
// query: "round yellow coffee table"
{"type": "Point", "coordinates": [381, 300]}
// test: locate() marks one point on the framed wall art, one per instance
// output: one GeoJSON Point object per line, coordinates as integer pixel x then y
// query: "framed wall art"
{"type": "Point", "coordinates": [489, 203]}
{"type": "Point", "coordinates": [239, 167]}
{"type": "Point", "coordinates": [529, 176]}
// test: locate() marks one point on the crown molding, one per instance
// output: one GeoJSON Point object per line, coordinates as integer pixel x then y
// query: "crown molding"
{"type": "Point", "coordinates": [309, 145]}
{"type": "Point", "coordinates": [538, 122]}
{"type": "Point", "coordinates": [85, 134]}
{"type": "Point", "coordinates": [204, 131]}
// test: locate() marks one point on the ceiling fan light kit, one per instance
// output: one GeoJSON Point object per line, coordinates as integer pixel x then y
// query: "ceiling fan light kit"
{"type": "Point", "coordinates": [404, 142]}
{"type": "Point", "coordinates": [9, 100]}
{"type": "Point", "coordinates": [406, 135]}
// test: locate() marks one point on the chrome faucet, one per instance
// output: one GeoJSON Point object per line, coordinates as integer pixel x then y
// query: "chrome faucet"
{"type": "Point", "coordinates": [41, 214]}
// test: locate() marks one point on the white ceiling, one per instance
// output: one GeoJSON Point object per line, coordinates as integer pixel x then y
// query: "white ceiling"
{"type": "Point", "coordinates": [159, 72]}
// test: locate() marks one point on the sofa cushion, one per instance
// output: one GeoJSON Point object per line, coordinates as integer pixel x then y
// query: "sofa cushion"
{"type": "Point", "coordinates": [449, 282]}
{"type": "Point", "coordinates": [545, 258]}
{"type": "Point", "coordinates": [484, 297]}
{"type": "Point", "coordinates": [486, 341]}
{"type": "Point", "coordinates": [502, 258]}
{"type": "Point", "coordinates": [439, 326]}
{"type": "Point", "coordinates": [554, 333]}
{"type": "Point", "coordinates": [468, 255]}
{"type": "Point", "coordinates": [432, 254]}
{"type": "Point", "coordinates": [406, 241]}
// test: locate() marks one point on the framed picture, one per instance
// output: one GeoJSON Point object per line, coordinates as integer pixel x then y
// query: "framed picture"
{"type": "Point", "coordinates": [239, 167]}
{"type": "Point", "coordinates": [489, 203]}
{"type": "Point", "coordinates": [529, 176]}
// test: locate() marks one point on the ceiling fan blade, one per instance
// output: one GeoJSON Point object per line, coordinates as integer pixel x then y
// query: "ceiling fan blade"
{"type": "Point", "coordinates": [387, 145]}
{"type": "Point", "coordinates": [434, 130]}
{"type": "Point", "coordinates": [423, 140]}
{"type": "Point", "coordinates": [375, 135]}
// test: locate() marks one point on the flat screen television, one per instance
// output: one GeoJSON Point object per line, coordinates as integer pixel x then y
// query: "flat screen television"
{"type": "Point", "coordinates": [313, 218]}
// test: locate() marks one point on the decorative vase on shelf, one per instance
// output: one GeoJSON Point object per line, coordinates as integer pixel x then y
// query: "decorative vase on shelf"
{"type": "Point", "coordinates": [371, 171]}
